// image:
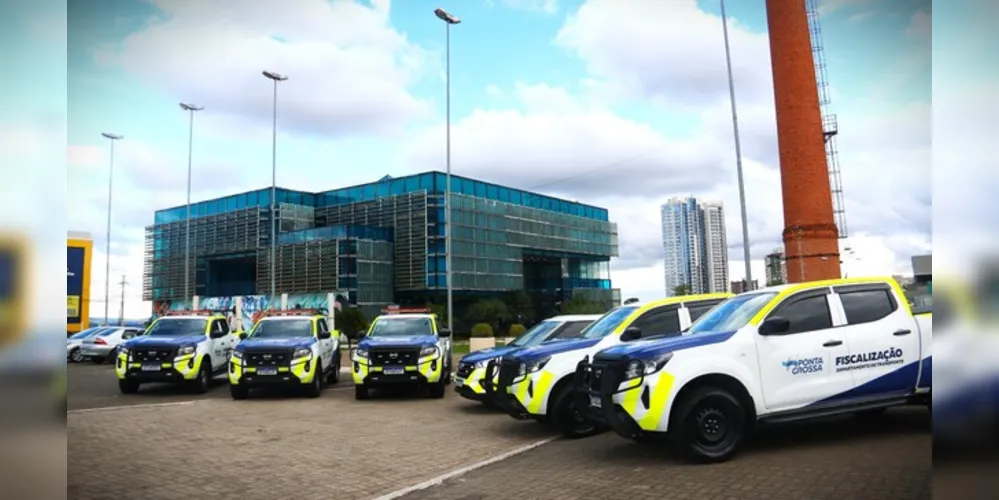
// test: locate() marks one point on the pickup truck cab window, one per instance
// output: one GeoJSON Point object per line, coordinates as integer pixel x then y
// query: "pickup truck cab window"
{"type": "Point", "coordinates": [659, 321]}
{"type": "Point", "coordinates": [321, 326]}
{"type": "Point", "coordinates": [696, 311]}
{"type": "Point", "coordinates": [806, 312]}
{"type": "Point", "coordinates": [608, 323]}
{"type": "Point", "coordinates": [401, 327]}
{"type": "Point", "coordinates": [732, 314]}
{"type": "Point", "coordinates": [282, 329]}
{"type": "Point", "coordinates": [865, 306]}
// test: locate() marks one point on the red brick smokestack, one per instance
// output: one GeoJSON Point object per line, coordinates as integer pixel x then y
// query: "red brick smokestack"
{"type": "Point", "coordinates": [810, 236]}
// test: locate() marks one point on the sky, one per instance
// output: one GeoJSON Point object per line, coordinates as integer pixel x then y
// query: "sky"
{"type": "Point", "coordinates": [616, 103]}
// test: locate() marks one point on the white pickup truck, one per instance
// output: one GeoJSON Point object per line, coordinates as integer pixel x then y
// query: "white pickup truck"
{"type": "Point", "coordinates": [779, 354]}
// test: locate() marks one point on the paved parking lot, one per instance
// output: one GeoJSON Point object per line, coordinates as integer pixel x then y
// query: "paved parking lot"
{"type": "Point", "coordinates": [413, 447]}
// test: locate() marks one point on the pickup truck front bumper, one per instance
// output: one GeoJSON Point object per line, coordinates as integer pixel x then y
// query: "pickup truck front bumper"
{"type": "Point", "coordinates": [497, 383]}
{"type": "Point", "coordinates": [597, 385]}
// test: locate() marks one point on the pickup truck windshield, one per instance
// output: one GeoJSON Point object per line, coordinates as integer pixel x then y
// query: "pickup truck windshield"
{"type": "Point", "coordinates": [536, 334]}
{"type": "Point", "coordinates": [177, 327]}
{"type": "Point", "coordinates": [401, 327]}
{"type": "Point", "coordinates": [732, 314]}
{"type": "Point", "coordinates": [608, 322]}
{"type": "Point", "coordinates": [282, 329]}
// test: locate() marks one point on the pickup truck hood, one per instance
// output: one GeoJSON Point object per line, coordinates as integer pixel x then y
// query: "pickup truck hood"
{"type": "Point", "coordinates": [551, 348]}
{"type": "Point", "coordinates": [487, 354]}
{"type": "Point", "coordinates": [411, 341]}
{"type": "Point", "coordinates": [288, 343]}
{"type": "Point", "coordinates": [182, 340]}
{"type": "Point", "coordinates": [649, 349]}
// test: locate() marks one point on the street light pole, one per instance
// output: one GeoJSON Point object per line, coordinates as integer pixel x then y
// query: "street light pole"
{"type": "Point", "coordinates": [738, 149]}
{"type": "Point", "coordinates": [448, 21]}
{"type": "Point", "coordinates": [107, 249]}
{"type": "Point", "coordinates": [276, 77]}
{"type": "Point", "coordinates": [190, 108]}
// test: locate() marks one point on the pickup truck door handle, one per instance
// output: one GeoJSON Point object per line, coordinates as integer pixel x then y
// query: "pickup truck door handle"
{"type": "Point", "coordinates": [899, 333]}
{"type": "Point", "coordinates": [833, 343]}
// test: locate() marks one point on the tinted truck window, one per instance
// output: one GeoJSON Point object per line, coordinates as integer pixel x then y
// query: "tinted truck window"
{"type": "Point", "coordinates": [864, 306]}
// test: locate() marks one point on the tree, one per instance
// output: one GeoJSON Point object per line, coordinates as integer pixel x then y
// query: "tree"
{"type": "Point", "coordinates": [440, 310]}
{"type": "Point", "coordinates": [520, 306]}
{"type": "Point", "coordinates": [489, 311]}
{"type": "Point", "coordinates": [579, 305]}
{"type": "Point", "coordinates": [350, 321]}
{"type": "Point", "coordinates": [775, 282]}
{"type": "Point", "coordinates": [681, 289]}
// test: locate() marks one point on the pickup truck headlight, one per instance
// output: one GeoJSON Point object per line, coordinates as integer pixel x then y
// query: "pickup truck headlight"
{"type": "Point", "coordinates": [532, 366]}
{"type": "Point", "coordinates": [237, 355]}
{"type": "Point", "coordinates": [303, 353]}
{"type": "Point", "coordinates": [429, 351]}
{"type": "Point", "coordinates": [483, 363]}
{"type": "Point", "coordinates": [188, 349]}
{"type": "Point", "coordinates": [644, 368]}
{"type": "Point", "coordinates": [360, 355]}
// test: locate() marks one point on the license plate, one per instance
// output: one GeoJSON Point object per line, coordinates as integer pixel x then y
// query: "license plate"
{"type": "Point", "coordinates": [459, 382]}
{"type": "Point", "coordinates": [267, 371]}
{"type": "Point", "coordinates": [394, 370]}
{"type": "Point", "coordinates": [151, 367]}
{"type": "Point", "coordinates": [595, 402]}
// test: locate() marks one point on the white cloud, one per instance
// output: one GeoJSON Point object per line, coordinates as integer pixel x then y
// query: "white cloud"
{"type": "Point", "coordinates": [349, 70]}
{"type": "Point", "coordinates": [545, 6]}
{"type": "Point", "coordinates": [494, 91]}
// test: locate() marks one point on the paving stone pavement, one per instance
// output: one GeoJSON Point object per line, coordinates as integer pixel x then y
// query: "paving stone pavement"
{"type": "Point", "coordinates": [281, 447]}
{"type": "Point", "coordinates": [824, 460]}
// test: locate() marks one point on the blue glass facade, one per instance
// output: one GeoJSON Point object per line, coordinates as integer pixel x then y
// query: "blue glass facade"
{"type": "Point", "coordinates": [430, 182]}
{"type": "Point", "coordinates": [503, 239]}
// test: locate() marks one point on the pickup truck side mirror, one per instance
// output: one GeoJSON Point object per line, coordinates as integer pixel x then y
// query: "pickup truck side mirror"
{"type": "Point", "coordinates": [631, 333]}
{"type": "Point", "coordinates": [444, 332]}
{"type": "Point", "coordinates": [324, 335]}
{"type": "Point", "coordinates": [775, 325]}
{"type": "Point", "coordinates": [242, 335]}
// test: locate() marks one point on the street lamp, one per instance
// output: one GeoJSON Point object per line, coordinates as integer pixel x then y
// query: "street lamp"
{"type": "Point", "coordinates": [107, 249]}
{"type": "Point", "coordinates": [276, 77]}
{"type": "Point", "coordinates": [190, 108]}
{"type": "Point", "coordinates": [448, 21]}
{"type": "Point", "coordinates": [738, 149]}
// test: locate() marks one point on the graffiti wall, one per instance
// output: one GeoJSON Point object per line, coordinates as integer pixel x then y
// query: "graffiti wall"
{"type": "Point", "coordinates": [255, 305]}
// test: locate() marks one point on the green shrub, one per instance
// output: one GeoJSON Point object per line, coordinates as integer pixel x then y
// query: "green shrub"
{"type": "Point", "coordinates": [482, 330]}
{"type": "Point", "coordinates": [516, 330]}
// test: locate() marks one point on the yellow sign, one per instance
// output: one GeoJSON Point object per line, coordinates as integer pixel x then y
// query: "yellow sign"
{"type": "Point", "coordinates": [72, 306]}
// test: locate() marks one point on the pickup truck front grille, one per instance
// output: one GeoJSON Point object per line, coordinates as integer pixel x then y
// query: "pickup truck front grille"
{"type": "Point", "coordinates": [148, 354]}
{"type": "Point", "coordinates": [394, 356]}
{"type": "Point", "coordinates": [267, 358]}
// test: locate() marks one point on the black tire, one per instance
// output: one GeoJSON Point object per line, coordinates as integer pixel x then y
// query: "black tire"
{"type": "Point", "coordinates": [872, 415]}
{"type": "Point", "coordinates": [361, 392]}
{"type": "Point", "coordinates": [333, 377]}
{"type": "Point", "coordinates": [128, 386]}
{"type": "Point", "coordinates": [201, 384]}
{"type": "Point", "coordinates": [76, 356]}
{"type": "Point", "coordinates": [239, 392]}
{"type": "Point", "coordinates": [315, 388]}
{"type": "Point", "coordinates": [710, 425]}
{"type": "Point", "coordinates": [438, 389]}
{"type": "Point", "coordinates": [567, 418]}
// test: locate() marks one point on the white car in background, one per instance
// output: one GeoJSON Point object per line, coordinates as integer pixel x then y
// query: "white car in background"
{"type": "Point", "coordinates": [73, 343]}
{"type": "Point", "coordinates": [103, 346]}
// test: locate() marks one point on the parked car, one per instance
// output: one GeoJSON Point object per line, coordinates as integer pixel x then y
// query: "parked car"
{"type": "Point", "coordinates": [103, 346]}
{"type": "Point", "coordinates": [73, 342]}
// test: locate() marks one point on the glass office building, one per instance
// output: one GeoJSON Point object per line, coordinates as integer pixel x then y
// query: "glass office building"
{"type": "Point", "coordinates": [384, 242]}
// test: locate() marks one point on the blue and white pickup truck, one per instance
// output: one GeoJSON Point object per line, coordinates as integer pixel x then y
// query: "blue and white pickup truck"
{"type": "Point", "coordinates": [778, 354]}
{"type": "Point", "coordinates": [183, 347]}
{"type": "Point", "coordinates": [472, 366]}
{"type": "Point", "coordinates": [291, 348]}
{"type": "Point", "coordinates": [536, 382]}
{"type": "Point", "coordinates": [403, 347]}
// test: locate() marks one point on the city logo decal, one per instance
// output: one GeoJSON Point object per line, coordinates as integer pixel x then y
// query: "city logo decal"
{"type": "Point", "coordinates": [803, 366]}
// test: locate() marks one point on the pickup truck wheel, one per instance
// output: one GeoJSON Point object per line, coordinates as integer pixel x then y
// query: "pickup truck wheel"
{"type": "Point", "coordinates": [204, 380]}
{"type": "Point", "coordinates": [239, 392]}
{"type": "Point", "coordinates": [361, 392]}
{"type": "Point", "coordinates": [710, 425]}
{"type": "Point", "coordinates": [128, 386]}
{"type": "Point", "coordinates": [437, 389]}
{"type": "Point", "coordinates": [315, 388]}
{"type": "Point", "coordinates": [568, 418]}
{"type": "Point", "coordinates": [333, 377]}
